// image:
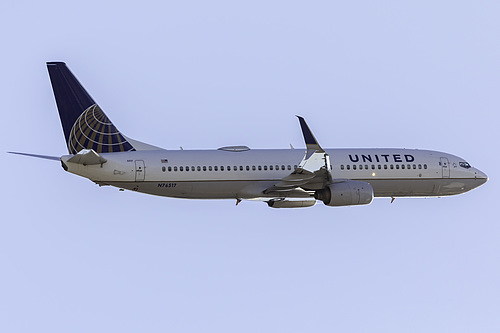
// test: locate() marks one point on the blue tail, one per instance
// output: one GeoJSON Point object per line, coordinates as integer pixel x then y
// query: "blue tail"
{"type": "Point", "coordinates": [84, 124]}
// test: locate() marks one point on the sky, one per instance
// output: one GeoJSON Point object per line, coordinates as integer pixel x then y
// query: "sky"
{"type": "Point", "coordinates": [77, 258]}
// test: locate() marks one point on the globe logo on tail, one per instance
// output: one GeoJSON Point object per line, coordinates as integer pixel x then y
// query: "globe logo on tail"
{"type": "Point", "coordinates": [94, 130]}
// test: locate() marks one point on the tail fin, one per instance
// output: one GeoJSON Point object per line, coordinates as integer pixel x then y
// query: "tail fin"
{"type": "Point", "coordinates": [84, 124]}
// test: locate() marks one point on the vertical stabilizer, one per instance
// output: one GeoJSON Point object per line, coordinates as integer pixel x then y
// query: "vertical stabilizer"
{"type": "Point", "coordinates": [84, 124]}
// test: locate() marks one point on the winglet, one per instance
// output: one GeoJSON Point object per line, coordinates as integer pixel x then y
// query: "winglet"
{"type": "Point", "coordinates": [311, 142]}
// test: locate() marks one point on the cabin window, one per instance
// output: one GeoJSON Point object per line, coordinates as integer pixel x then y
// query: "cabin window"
{"type": "Point", "coordinates": [425, 166]}
{"type": "Point", "coordinates": [354, 167]}
{"type": "Point", "coordinates": [181, 168]}
{"type": "Point", "coordinates": [265, 167]}
{"type": "Point", "coordinates": [277, 167]}
{"type": "Point", "coordinates": [420, 166]}
{"type": "Point", "coordinates": [289, 167]}
{"type": "Point", "coordinates": [216, 168]}
{"type": "Point", "coordinates": [414, 166]}
{"type": "Point", "coordinates": [209, 168]}
{"type": "Point", "coordinates": [392, 166]}
{"type": "Point", "coordinates": [385, 166]}
{"type": "Point", "coordinates": [360, 167]}
{"type": "Point", "coordinates": [175, 168]}
{"type": "Point", "coordinates": [248, 168]}
{"type": "Point", "coordinates": [198, 168]}
{"type": "Point", "coordinates": [373, 166]}
{"type": "Point", "coordinates": [163, 169]}
{"type": "Point", "coordinates": [241, 167]}
{"type": "Point", "coordinates": [379, 167]}
{"type": "Point", "coordinates": [295, 167]}
{"type": "Point", "coordinates": [409, 166]}
{"type": "Point", "coordinates": [169, 169]}
{"type": "Point", "coordinates": [348, 167]}
{"type": "Point", "coordinates": [342, 167]}
{"type": "Point", "coordinates": [253, 167]}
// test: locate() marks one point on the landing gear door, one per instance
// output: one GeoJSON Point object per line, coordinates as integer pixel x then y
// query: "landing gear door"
{"type": "Point", "coordinates": [445, 166]}
{"type": "Point", "coordinates": [140, 171]}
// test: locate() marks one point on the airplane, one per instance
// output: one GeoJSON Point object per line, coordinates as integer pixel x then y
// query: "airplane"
{"type": "Point", "coordinates": [283, 178]}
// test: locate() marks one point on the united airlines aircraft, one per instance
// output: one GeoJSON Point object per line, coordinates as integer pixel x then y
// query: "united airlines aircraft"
{"type": "Point", "coordinates": [283, 178]}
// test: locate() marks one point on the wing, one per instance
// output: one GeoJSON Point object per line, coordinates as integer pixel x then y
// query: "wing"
{"type": "Point", "coordinates": [312, 173]}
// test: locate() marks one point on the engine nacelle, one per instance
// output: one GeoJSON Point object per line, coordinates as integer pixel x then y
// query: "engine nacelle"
{"type": "Point", "coordinates": [350, 192]}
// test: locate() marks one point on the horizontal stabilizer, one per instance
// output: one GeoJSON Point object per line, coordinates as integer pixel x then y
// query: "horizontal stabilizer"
{"type": "Point", "coordinates": [54, 158]}
{"type": "Point", "coordinates": [87, 157]}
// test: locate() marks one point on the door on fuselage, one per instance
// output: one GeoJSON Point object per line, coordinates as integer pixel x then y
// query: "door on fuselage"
{"type": "Point", "coordinates": [445, 166]}
{"type": "Point", "coordinates": [140, 171]}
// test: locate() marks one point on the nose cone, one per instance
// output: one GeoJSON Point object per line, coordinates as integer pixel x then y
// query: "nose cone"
{"type": "Point", "coordinates": [480, 176]}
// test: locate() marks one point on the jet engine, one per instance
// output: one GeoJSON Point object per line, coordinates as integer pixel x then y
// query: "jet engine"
{"type": "Point", "coordinates": [349, 192]}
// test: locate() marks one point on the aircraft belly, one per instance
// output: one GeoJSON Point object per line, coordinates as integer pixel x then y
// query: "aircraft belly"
{"type": "Point", "coordinates": [420, 187]}
{"type": "Point", "coordinates": [199, 189]}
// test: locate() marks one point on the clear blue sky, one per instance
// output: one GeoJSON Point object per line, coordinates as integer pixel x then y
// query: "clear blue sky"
{"type": "Point", "coordinates": [78, 258]}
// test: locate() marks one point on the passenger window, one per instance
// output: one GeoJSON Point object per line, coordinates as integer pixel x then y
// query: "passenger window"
{"type": "Point", "coordinates": [163, 169]}
{"type": "Point", "coordinates": [295, 167]}
{"type": "Point", "coordinates": [175, 168]}
{"type": "Point", "coordinates": [341, 167]}
{"type": "Point", "coordinates": [169, 169]}
{"type": "Point", "coordinates": [366, 167]}
{"type": "Point", "coordinates": [216, 168]}
{"type": "Point", "coordinates": [373, 166]}
{"type": "Point", "coordinates": [348, 167]}
{"type": "Point", "coordinates": [289, 167]}
{"type": "Point", "coordinates": [204, 168]}
{"type": "Point", "coordinates": [241, 167]}
{"type": "Point", "coordinates": [385, 166]}
{"type": "Point", "coordinates": [209, 168]}
{"type": "Point", "coordinates": [414, 166]}
{"type": "Point", "coordinates": [397, 166]}
{"type": "Point", "coordinates": [409, 166]}
{"type": "Point", "coordinates": [248, 168]}
{"type": "Point", "coordinates": [379, 167]}
{"type": "Point", "coordinates": [402, 166]}
{"type": "Point", "coordinates": [222, 168]}
{"type": "Point", "coordinates": [354, 167]}
{"type": "Point", "coordinates": [277, 168]}
{"type": "Point", "coordinates": [265, 167]}
{"type": "Point", "coordinates": [181, 169]}
{"type": "Point", "coordinates": [392, 166]}
{"type": "Point", "coordinates": [420, 166]}
{"type": "Point", "coordinates": [253, 167]}
{"type": "Point", "coordinates": [360, 167]}
{"type": "Point", "coordinates": [425, 166]}
{"type": "Point", "coordinates": [198, 168]}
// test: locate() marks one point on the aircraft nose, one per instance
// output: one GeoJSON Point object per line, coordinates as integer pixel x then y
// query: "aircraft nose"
{"type": "Point", "coordinates": [481, 176]}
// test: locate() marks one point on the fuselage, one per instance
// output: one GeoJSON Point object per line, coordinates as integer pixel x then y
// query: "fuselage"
{"type": "Point", "coordinates": [246, 173]}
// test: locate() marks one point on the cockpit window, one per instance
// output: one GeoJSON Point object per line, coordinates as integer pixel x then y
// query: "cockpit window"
{"type": "Point", "coordinates": [464, 165]}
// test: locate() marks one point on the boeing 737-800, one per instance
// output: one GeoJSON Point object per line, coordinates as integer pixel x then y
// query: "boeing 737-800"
{"type": "Point", "coordinates": [284, 178]}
